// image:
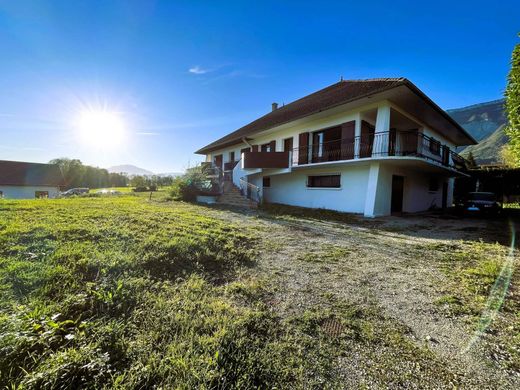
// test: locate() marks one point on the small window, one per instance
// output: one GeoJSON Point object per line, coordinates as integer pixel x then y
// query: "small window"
{"type": "Point", "coordinates": [435, 146]}
{"type": "Point", "coordinates": [245, 150]}
{"type": "Point", "coordinates": [266, 182]}
{"type": "Point", "coordinates": [266, 147]}
{"type": "Point", "coordinates": [41, 194]}
{"type": "Point", "coordinates": [433, 185]}
{"type": "Point", "coordinates": [231, 156]}
{"type": "Point", "coordinates": [324, 181]}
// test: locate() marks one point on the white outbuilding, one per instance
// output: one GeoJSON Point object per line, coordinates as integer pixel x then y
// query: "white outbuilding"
{"type": "Point", "coordinates": [25, 180]}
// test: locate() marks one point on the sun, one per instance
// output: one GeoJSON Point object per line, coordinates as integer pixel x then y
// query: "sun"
{"type": "Point", "coordinates": [101, 128]}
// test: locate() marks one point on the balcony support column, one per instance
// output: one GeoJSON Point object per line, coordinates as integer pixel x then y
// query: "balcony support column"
{"type": "Point", "coordinates": [357, 135]}
{"type": "Point", "coordinates": [381, 143]}
{"type": "Point", "coordinates": [379, 187]}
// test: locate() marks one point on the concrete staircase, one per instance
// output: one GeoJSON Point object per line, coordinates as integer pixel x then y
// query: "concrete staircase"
{"type": "Point", "coordinates": [233, 197]}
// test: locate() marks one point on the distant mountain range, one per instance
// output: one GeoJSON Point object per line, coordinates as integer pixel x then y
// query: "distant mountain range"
{"type": "Point", "coordinates": [131, 170]}
{"type": "Point", "coordinates": [486, 123]}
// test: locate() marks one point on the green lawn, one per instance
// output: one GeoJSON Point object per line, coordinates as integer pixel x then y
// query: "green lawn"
{"type": "Point", "coordinates": [122, 293]}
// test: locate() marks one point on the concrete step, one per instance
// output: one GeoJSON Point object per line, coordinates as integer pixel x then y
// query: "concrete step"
{"type": "Point", "coordinates": [232, 196]}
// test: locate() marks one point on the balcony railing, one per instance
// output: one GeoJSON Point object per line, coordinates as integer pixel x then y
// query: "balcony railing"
{"type": "Point", "coordinates": [412, 144]}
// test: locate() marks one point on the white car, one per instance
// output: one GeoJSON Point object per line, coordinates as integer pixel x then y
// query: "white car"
{"type": "Point", "coordinates": [75, 191]}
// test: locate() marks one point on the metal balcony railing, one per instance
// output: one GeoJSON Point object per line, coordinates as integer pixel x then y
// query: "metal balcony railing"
{"type": "Point", "coordinates": [250, 191]}
{"type": "Point", "coordinates": [385, 144]}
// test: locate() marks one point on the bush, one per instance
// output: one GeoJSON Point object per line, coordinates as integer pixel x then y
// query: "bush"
{"type": "Point", "coordinates": [140, 189]}
{"type": "Point", "coordinates": [182, 190]}
{"type": "Point", "coordinates": [194, 182]}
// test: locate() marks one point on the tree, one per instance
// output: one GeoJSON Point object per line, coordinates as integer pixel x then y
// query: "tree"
{"type": "Point", "coordinates": [75, 174]}
{"type": "Point", "coordinates": [73, 171]}
{"type": "Point", "coordinates": [513, 107]}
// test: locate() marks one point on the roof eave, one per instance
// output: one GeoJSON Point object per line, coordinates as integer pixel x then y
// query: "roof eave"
{"type": "Point", "coordinates": [446, 116]}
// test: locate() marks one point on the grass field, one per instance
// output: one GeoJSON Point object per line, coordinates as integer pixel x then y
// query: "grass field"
{"type": "Point", "coordinates": [123, 292]}
{"type": "Point", "coordinates": [115, 292]}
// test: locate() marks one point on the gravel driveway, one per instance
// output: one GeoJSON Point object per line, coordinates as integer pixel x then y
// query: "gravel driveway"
{"type": "Point", "coordinates": [393, 264]}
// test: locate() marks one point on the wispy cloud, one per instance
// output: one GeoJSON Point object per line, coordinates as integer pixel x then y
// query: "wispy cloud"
{"type": "Point", "coordinates": [149, 133]}
{"type": "Point", "coordinates": [198, 70]}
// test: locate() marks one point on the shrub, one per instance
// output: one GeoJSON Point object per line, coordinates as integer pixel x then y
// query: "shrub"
{"type": "Point", "coordinates": [194, 182]}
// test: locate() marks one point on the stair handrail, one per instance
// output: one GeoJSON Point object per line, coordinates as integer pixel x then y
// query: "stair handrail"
{"type": "Point", "coordinates": [250, 191]}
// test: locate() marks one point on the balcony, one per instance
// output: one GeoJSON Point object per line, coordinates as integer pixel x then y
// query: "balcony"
{"type": "Point", "coordinates": [254, 160]}
{"type": "Point", "coordinates": [387, 144]}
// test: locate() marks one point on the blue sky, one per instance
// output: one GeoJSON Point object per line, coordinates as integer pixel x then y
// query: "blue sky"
{"type": "Point", "coordinates": [182, 73]}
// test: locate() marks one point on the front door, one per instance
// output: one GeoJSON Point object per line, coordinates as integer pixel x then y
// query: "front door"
{"type": "Point", "coordinates": [397, 194]}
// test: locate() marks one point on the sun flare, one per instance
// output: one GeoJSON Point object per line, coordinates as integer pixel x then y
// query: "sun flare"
{"type": "Point", "coordinates": [101, 128]}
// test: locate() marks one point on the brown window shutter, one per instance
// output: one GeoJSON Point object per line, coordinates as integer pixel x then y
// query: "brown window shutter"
{"type": "Point", "coordinates": [256, 148]}
{"type": "Point", "coordinates": [272, 146]}
{"type": "Point", "coordinates": [303, 148]}
{"type": "Point", "coordinates": [348, 131]}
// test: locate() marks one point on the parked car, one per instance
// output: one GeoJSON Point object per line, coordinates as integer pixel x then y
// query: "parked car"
{"type": "Point", "coordinates": [75, 191]}
{"type": "Point", "coordinates": [480, 202]}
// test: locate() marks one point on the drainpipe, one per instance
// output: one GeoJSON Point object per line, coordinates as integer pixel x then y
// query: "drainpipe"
{"type": "Point", "coordinates": [247, 143]}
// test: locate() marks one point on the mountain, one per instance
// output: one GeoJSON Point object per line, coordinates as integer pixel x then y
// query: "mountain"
{"type": "Point", "coordinates": [486, 123]}
{"type": "Point", "coordinates": [130, 170]}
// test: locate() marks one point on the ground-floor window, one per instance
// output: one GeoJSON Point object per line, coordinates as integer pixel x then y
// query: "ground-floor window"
{"type": "Point", "coordinates": [266, 182]}
{"type": "Point", "coordinates": [324, 181]}
{"type": "Point", "coordinates": [41, 194]}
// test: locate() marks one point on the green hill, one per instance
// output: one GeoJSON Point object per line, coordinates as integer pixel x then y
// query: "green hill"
{"type": "Point", "coordinates": [486, 123]}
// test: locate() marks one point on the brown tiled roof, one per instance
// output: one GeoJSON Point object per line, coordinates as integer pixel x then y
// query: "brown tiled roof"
{"type": "Point", "coordinates": [331, 96]}
{"type": "Point", "coordinates": [18, 173]}
{"type": "Point", "coordinates": [334, 95]}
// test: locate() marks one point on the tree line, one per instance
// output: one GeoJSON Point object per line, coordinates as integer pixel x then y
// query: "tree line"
{"type": "Point", "coordinates": [78, 175]}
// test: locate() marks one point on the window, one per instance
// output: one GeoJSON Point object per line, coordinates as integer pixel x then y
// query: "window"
{"type": "Point", "coordinates": [435, 146]}
{"type": "Point", "coordinates": [232, 156]}
{"type": "Point", "coordinates": [266, 182]}
{"type": "Point", "coordinates": [324, 181]}
{"type": "Point", "coordinates": [433, 185]}
{"type": "Point", "coordinates": [266, 147]}
{"type": "Point", "coordinates": [41, 194]}
{"type": "Point", "coordinates": [244, 150]}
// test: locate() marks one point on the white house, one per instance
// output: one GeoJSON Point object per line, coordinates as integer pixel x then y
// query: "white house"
{"type": "Point", "coordinates": [24, 180]}
{"type": "Point", "coordinates": [375, 147]}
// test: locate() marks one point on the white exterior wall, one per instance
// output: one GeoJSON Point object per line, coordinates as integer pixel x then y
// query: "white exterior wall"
{"type": "Point", "coordinates": [27, 192]}
{"type": "Point", "coordinates": [292, 189]}
{"type": "Point", "coordinates": [416, 194]}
